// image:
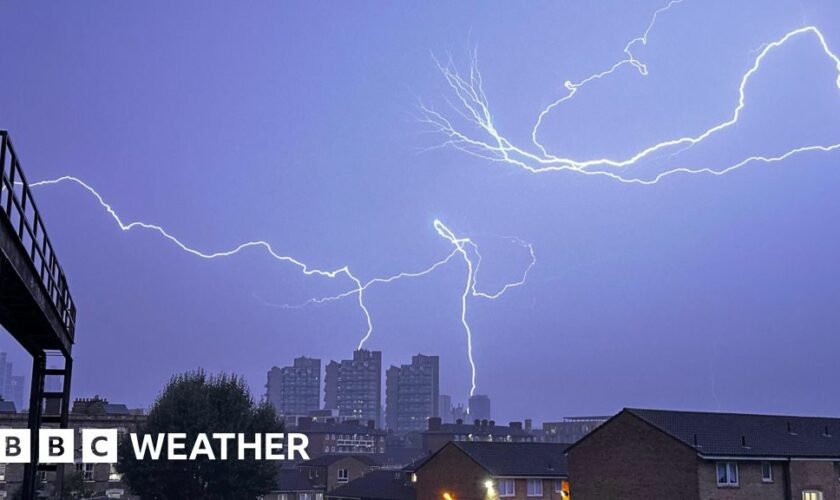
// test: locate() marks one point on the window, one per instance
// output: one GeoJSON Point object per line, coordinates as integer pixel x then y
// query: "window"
{"type": "Point", "coordinates": [727, 474]}
{"type": "Point", "coordinates": [42, 476]}
{"type": "Point", "coordinates": [305, 496]}
{"type": "Point", "coordinates": [507, 487]}
{"type": "Point", "coordinates": [113, 474]}
{"type": "Point", "coordinates": [535, 488]}
{"type": "Point", "coordinates": [812, 495]}
{"type": "Point", "coordinates": [342, 475]}
{"type": "Point", "coordinates": [766, 472]}
{"type": "Point", "coordinates": [2, 473]}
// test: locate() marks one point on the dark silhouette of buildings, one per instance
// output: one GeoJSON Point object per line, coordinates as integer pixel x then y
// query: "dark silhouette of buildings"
{"type": "Point", "coordinates": [296, 389]}
{"type": "Point", "coordinates": [479, 407]}
{"type": "Point", "coordinates": [354, 386]}
{"type": "Point", "coordinates": [412, 393]}
{"type": "Point", "coordinates": [438, 434]}
{"type": "Point", "coordinates": [445, 409]}
{"type": "Point", "coordinates": [11, 385]}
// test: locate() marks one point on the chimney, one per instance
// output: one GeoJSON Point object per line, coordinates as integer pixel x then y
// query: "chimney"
{"type": "Point", "coordinates": [516, 425]}
{"type": "Point", "coordinates": [492, 423]}
{"type": "Point", "coordinates": [304, 423]}
{"type": "Point", "coordinates": [434, 423]}
{"type": "Point", "coordinates": [477, 423]}
{"type": "Point", "coordinates": [371, 424]}
{"type": "Point", "coordinates": [484, 423]}
{"type": "Point", "coordinates": [459, 421]}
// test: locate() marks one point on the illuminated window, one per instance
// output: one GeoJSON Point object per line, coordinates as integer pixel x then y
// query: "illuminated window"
{"type": "Point", "coordinates": [727, 474]}
{"type": "Point", "coordinates": [113, 474]}
{"type": "Point", "coordinates": [766, 472]}
{"type": "Point", "coordinates": [342, 476]}
{"type": "Point", "coordinates": [812, 495]}
{"type": "Point", "coordinates": [535, 488]}
{"type": "Point", "coordinates": [507, 487]}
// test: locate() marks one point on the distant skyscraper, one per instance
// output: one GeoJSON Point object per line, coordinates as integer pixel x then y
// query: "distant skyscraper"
{"type": "Point", "coordinates": [11, 386]}
{"type": "Point", "coordinates": [15, 390]}
{"type": "Point", "coordinates": [354, 386]}
{"type": "Point", "coordinates": [412, 393]}
{"type": "Point", "coordinates": [445, 409]}
{"type": "Point", "coordinates": [459, 413]}
{"type": "Point", "coordinates": [479, 407]}
{"type": "Point", "coordinates": [296, 389]}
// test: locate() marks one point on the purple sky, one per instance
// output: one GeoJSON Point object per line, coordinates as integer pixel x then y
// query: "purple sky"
{"type": "Point", "coordinates": [298, 124]}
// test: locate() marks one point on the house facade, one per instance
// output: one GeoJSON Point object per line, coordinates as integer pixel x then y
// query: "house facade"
{"type": "Point", "coordinates": [494, 470]}
{"type": "Point", "coordinates": [708, 456]}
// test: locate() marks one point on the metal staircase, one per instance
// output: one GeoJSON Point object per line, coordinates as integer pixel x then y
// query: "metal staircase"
{"type": "Point", "coordinates": [35, 304]}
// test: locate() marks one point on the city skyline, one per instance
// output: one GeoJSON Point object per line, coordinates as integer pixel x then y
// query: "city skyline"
{"type": "Point", "coordinates": [301, 128]}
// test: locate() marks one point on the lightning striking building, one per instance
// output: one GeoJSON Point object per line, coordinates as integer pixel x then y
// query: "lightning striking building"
{"type": "Point", "coordinates": [479, 407]}
{"type": "Point", "coordinates": [354, 386]}
{"type": "Point", "coordinates": [412, 394]}
{"type": "Point", "coordinates": [296, 389]}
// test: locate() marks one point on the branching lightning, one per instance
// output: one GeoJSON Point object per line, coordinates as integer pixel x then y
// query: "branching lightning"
{"type": "Point", "coordinates": [472, 105]}
{"type": "Point", "coordinates": [359, 287]}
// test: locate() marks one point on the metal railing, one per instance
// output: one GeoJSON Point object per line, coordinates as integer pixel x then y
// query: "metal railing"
{"type": "Point", "coordinates": [18, 206]}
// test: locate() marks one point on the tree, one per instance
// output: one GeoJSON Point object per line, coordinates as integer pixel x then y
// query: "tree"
{"type": "Point", "coordinates": [194, 403]}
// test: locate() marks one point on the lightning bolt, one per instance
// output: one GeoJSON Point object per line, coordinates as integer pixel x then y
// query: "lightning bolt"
{"type": "Point", "coordinates": [359, 287]}
{"type": "Point", "coordinates": [472, 105]}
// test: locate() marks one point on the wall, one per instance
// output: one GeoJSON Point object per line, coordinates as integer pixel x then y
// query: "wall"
{"type": "Point", "coordinates": [628, 458]}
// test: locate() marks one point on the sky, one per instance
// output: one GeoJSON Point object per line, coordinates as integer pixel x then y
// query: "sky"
{"type": "Point", "coordinates": [300, 124]}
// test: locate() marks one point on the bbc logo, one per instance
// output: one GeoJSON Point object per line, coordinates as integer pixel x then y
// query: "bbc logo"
{"type": "Point", "coordinates": [57, 446]}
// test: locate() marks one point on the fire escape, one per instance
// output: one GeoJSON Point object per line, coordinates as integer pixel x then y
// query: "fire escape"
{"type": "Point", "coordinates": [35, 305]}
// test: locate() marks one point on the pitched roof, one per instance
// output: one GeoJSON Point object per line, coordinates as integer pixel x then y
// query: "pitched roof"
{"type": "Point", "coordinates": [748, 435]}
{"type": "Point", "coordinates": [380, 485]}
{"type": "Point", "coordinates": [518, 459]}
{"type": "Point", "coordinates": [293, 480]}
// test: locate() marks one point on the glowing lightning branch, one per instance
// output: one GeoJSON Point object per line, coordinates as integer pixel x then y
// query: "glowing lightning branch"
{"type": "Point", "coordinates": [359, 288]}
{"type": "Point", "coordinates": [358, 291]}
{"type": "Point", "coordinates": [472, 105]}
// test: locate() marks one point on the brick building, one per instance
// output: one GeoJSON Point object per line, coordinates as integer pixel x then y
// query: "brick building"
{"type": "Point", "coordinates": [296, 389]}
{"type": "Point", "coordinates": [92, 413]}
{"type": "Point", "coordinates": [349, 436]}
{"type": "Point", "coordinates": [412, 394]}
{"type": "Point", "coordinates": [311, 479]}
{"type": "Point", "coordinates": [708, 456]}
{"type": "Point", "coordinates": [569, 430]}
{"type": "Point", "coordinates": [438, 434]}
{"type": "Point", "coordinates": [377, 485]}
{"type": "Point", "coordinates": [490, 470]}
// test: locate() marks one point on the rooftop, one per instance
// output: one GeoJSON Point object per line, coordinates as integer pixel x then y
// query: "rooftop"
{"type": "Point", "coordinates": [378, 484]}
{"type": "Point", "coordinates": [748, 435]}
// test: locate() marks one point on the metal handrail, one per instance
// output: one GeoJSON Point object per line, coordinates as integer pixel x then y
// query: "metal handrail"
{"type": "Point", "coordinates": [18, 205]}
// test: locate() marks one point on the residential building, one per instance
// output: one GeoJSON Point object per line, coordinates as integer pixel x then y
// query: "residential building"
{"type": "Point", "coordinates": [91, 413]}
{"type": "Point", "coordinates": [490, 470]}
{"type": "Point", "coordinates": [354, 386]}
{"type": "Point", "coordinates": [333, 437]}
{"type": "Point", "coordinates": [570, 429]}
{"type": "Point", "coordinates": [445, 409]}
{"type": "Point", "coordinates": [296, 389]}
{"type": "Point", "coordinates": [377, 485]}
{"type": "Point", "coordinates": [479, 407]}
{"type": "Point", "coordinates": [412, 394]}
{"type": "Point", "coordinates": [439, 434]}
{"type": "Point", "coordinates": [708, 456]}
{"type": "Point", "coordinates": [11, 385]}
{"type": "Point", "coordinates": [312, 479]}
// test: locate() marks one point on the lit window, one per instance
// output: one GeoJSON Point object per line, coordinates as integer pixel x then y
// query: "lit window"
{"type": "Point", "coordinates": [535, 488]}
{"type": "Point", "coordinates": [507, 487]}
{"type": "Point", "coordinates": [766, 472]}
{"type": "Point", "coordinates": [113, 474]}
{"type": "Point", "coordinates": [342, 476]}
{"type": "Point", "coordinates": [2, 473]}
{"type": "Point", "coordinates": [727, 474]}
{"type": "Point", "coordinates": [812, 495]}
